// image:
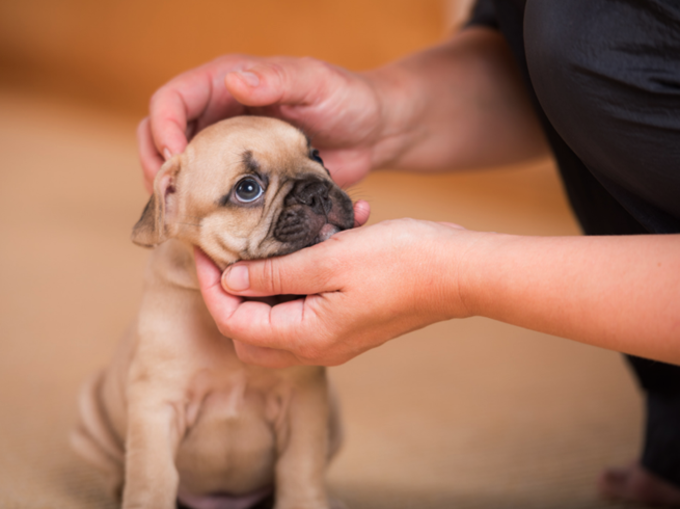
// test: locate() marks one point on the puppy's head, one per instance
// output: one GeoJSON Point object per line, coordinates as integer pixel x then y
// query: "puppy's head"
{"type": "Point", "coordinates": [245, 188]}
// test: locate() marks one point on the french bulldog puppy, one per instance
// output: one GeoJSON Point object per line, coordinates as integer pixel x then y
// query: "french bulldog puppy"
{"type": "Point", "coordinates": [176, 415]}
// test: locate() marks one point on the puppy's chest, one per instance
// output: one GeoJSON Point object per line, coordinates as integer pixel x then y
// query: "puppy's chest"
{"type": "Point", "coordinates": [237, 395]}
{"type": "Point", "coordinates": [197, 369]}
{"type": "Point", "coordinates": [228, 444]}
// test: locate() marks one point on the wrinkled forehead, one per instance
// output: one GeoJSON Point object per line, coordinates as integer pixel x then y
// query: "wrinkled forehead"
{"type": "Point", "coordinates": [246, 142]}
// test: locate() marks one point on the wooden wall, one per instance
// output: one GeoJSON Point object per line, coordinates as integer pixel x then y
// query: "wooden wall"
{"type": "Point", "coordinates": [117, 52]}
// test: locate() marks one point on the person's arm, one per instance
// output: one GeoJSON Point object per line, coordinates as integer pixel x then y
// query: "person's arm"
{"type": "Point", "coordinates": [369, 285]}
{"type": "Point", "coordinates": [457, 105]}
{"type": "Point", "coordinates": [616, 292]}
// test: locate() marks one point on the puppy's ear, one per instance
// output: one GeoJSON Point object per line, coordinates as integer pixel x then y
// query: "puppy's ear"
{"type": "Point", "coordinates": [152, 227]}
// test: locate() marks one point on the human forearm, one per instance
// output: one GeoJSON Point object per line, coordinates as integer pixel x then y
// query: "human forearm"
{"type": "Point", "coordinates": [368, 285]}
{"type": "Point", "coordinates": [620, 293]}
{"type": "Point", "coordinates": [461, 104]}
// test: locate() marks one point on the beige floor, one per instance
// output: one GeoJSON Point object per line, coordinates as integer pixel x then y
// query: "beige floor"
{"type": "Point", "coordinates": [464, 414]}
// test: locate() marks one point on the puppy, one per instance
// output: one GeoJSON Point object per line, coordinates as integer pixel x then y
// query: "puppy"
{"type": "Point", "coordinates": [176, 415]}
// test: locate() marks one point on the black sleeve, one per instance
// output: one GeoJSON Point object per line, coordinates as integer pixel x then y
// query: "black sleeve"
{"type": "Point", "coordinates": [483, 14]}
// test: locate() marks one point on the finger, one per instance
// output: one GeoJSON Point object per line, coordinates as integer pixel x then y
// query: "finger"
{"type": "Point", "coordinates": [265, 357]}
{"type": "Point", "coordinates": [304, 272]}
{"type": "Point", "coordinates": [362, 210]}
{"type": "Point", "coordinates": [254, 323]}
{"type": "Point", "coordinates": [292, 327]}
{"type": "Point", "coordinates": [220, 304]}
{"type": "Point", "coordinates": [259, 324]}
{"type": "Point", "coordinates": [347, 167]}
{"type": "Point", "coordinates": [150, 158]}
{"type": "Point", "coordinates": [197, 95]}
{"type": "Point", "coordinates": [168, 119]}
{"type": "Point", "coordinates": [282, 81]}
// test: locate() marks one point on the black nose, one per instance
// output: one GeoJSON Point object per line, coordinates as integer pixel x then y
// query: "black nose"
{"type": "Point", "coordinates": [313, 193]}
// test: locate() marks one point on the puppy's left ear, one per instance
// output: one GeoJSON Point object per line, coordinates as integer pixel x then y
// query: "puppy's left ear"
{"type": "Point", "coordinates": [153, 227]}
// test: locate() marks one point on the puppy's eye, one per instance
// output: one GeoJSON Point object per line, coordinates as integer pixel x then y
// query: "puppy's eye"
{"type": "Point", "coordinates": [314, 154]}
{"type": "Point", "coordinates": [248, 190]}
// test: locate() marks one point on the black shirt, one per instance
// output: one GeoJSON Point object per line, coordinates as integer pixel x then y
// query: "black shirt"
{"type": "Point", "coordinates": [604, 76]}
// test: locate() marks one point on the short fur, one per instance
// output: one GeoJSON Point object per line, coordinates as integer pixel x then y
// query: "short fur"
{"type": "Point", "coordinates": [176, 413]}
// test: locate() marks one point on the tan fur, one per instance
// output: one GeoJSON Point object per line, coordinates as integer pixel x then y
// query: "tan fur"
{"type": "Point", "coordinates": [176, 410]}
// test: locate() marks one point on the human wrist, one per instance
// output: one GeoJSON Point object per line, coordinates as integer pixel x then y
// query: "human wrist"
{"type": "Point", "coordinates": [479, 271]}
{"type": "Point", "coordinates": [396, 93]}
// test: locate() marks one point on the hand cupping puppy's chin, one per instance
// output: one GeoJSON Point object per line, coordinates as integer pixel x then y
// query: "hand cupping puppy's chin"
{"type": "Point", "coordinates": [325, 233]}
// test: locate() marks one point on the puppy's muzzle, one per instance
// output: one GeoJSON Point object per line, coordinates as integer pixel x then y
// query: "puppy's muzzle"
{"type": "Point", "coordinates": [304, 220]}
{"type": "Point", "coordinates": [312, 194]}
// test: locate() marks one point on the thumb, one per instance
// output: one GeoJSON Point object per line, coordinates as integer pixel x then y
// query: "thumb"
{"type": "Point", "coordinates": [304, 272]}
{"type": "Point", "coordinates": [286, 81]}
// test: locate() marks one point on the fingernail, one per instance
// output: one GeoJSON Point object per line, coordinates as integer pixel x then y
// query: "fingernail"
{"type": "Point", "coordinates": [250, 78]}
{"type": "Point", "coordinates": [236, 278]}
{"type": "Point", "coordinates": [166, 153]}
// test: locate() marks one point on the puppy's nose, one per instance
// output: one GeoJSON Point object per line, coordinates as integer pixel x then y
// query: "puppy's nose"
{"type": "Point", "coordinates": [313, 193]}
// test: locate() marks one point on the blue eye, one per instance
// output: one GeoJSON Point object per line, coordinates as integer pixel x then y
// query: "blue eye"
{"type": "Point", "coordinates": [314, 154]}
{"type": "Point", "coordinates": [248, 190]}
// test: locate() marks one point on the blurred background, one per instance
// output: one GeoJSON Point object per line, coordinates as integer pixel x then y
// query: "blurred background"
{"type": "Point", "coordinates": [468, 414]}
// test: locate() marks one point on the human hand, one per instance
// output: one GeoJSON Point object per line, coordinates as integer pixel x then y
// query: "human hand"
{"type": "Point", "coordinates": [363, 287]}
{"type": "Point", "coordinates": [338, 109]}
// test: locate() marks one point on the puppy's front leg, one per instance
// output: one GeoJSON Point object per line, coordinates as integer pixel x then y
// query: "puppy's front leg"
{"type": "Point", "coordinates": [153, 435]}
{"type": "Point", "coordinates": [303, 446]}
